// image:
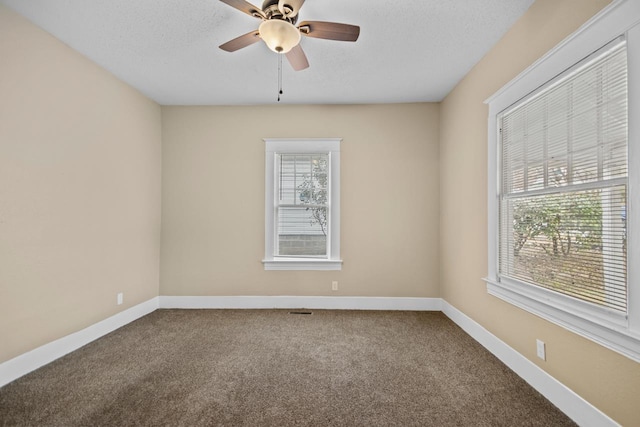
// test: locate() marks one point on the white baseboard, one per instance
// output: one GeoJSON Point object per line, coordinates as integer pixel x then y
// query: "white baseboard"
{"type": "Point", "coordinates": [574, 406]}
{"type": "Point", "coordinates": [21, 365]}
{"type": "Point", "coordinates": [311, 302]}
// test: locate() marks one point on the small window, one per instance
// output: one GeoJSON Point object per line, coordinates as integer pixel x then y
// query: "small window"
{"type": "Point", "coordinates": [302, 204]}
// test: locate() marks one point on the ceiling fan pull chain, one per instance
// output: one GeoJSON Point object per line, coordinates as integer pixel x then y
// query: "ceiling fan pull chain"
{"type": "Point", "coordinates": [279, 76]}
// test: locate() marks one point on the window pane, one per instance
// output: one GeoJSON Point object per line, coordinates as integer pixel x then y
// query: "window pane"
{"type": "Point", "coordinates": [302, 231]}
{"type": "Point", "coordinates": [302, 179]}
{"type": "Point", "coordinates": [573, 243]}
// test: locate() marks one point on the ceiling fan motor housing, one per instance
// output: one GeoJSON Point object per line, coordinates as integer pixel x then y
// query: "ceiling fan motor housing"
{"type": "Point", "coordinates": [270, 9]}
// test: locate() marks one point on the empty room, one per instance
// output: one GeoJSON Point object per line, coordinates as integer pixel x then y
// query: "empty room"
{"type": "Point", "coordinates": [320, 213]}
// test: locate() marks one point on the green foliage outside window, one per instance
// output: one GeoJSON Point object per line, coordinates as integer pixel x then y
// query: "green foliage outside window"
{"type": "Point", "coordinates": [313, 192]}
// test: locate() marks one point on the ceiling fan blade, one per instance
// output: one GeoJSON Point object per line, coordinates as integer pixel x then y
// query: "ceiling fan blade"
{"type": "Point", "coordinates": [246, 7]}
{"type": "Point", "coordinates": [240, 42]}
{"type": "Point", "coordinates": [330, 30]}
{"type": "Point", "coordinates": [297, 58]}
{"type": "Point", "coordinates": [290, 8]}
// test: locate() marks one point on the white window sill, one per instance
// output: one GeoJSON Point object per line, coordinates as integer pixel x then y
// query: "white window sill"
{"type": "Point", "coordinates": [607, 329]}
{"type": "Point", "coordinates": [302, 264]}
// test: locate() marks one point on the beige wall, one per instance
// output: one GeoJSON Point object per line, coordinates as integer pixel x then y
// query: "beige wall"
{"type": "Point", "coordinates": [79, 190]}
{"type": "Point", "coordinates": [80, 200]}
{"type": "Point", "coordinates": [606, 379]}
{"type": "Point", "coordinates": [213, 199]}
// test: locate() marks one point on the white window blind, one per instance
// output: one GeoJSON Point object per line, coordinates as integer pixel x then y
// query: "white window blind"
{"type": "Point", "coordinates": [563, 183]}
{"type": "Point", "coordinates": [302, 208]}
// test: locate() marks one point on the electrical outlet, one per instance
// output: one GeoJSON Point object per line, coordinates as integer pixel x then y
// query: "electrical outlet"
{"type": "Point", "coordinates": [334, 285]}
{"type": "Point", "coordinates": [120, 298]}
{"type": "Point", "coordinates": [540, 350]}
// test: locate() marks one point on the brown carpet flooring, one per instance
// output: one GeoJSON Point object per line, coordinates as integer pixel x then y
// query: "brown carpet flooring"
{"type": "Point", "coordinates": [272, 368]}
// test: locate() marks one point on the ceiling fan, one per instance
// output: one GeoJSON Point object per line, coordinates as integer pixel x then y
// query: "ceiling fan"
{"type": "Point", "coordinates": [281, 35]}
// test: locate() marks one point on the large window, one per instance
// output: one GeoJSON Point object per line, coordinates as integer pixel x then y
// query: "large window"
{"type": "Point", "coordinates": [302, 212]}
{"type": "Point", "coordinates": [564, 183]}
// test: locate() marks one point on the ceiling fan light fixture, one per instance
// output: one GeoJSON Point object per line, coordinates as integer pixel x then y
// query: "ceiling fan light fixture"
{"type": "Point", "coordinates": [279, 35]}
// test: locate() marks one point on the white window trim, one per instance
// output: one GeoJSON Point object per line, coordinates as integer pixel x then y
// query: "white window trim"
{"type": "Point", "coordinates": [302, 145]}
{"type": "Point", "coordinates": [608, 329]}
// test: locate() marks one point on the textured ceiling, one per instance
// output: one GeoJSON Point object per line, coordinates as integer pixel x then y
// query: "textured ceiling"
{"type": "Point", "coordinates": [408, 51]}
